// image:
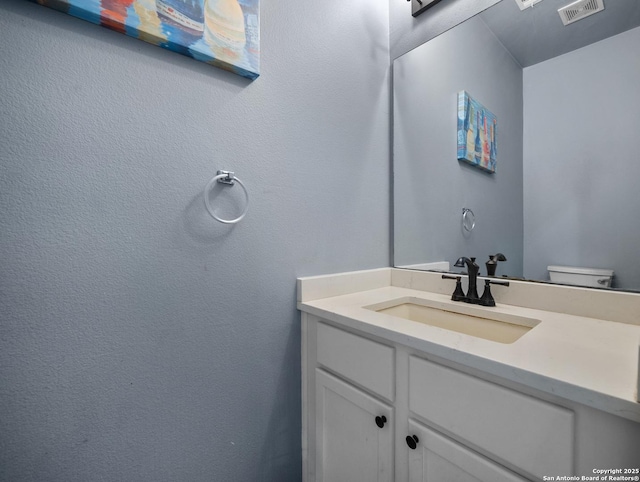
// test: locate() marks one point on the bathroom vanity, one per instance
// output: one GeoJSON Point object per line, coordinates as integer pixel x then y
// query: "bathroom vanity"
{"type": "Point", "coordinates": [397, 385]}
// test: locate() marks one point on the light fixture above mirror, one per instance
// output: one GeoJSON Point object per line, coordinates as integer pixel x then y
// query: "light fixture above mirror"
{"type": "Point", "coordinates": [419, 6]}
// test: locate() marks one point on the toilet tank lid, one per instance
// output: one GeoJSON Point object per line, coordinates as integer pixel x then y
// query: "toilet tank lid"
{"type": "Point", "coordinates": [585, 271]}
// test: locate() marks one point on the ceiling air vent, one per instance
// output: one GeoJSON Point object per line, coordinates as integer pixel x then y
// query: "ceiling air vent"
{"type": "Point", "coordinates": [526, 3]}
{"type": "Point", "coordinates": [578, 10]}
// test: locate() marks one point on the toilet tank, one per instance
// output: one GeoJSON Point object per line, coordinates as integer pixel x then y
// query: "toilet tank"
{"type": "Point", "coordinates": [599, 278]}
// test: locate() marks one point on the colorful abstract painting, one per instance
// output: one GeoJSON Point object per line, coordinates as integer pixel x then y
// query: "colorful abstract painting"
{"type": "Point", "coordinates": [223, 33]}
{"type": "Point", "coordinates": [477, 128]}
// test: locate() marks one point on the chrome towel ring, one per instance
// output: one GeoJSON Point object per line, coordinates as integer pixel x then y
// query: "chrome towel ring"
{"type": "Point", "coordinates": [225, 177]}
{"type": "Point", "coordinates": [468, 219]}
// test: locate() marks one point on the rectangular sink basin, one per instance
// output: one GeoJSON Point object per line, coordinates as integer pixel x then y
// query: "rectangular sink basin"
{"type": "Point", "coordinates": [468, 319]}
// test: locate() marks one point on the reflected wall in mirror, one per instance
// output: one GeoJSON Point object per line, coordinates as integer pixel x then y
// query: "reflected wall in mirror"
{"type": "Point", "coordinates": [566, 188]}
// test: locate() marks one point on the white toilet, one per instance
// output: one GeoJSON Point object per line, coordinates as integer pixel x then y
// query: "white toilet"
{"type": "Point", "coordinates": [592, 277]}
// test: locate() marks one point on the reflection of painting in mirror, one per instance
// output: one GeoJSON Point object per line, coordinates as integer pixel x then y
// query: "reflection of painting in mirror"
{"type": "Point", "coordinates": [476, 133]}
{"type": "Point", "coordinates": [223, 33]}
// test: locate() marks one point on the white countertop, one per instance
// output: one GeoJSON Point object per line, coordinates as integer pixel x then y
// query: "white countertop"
{"type": "Point", "coordinates": [590, 361]}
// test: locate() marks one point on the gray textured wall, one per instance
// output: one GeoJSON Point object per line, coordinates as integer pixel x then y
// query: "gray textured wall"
{"type": "Point", "coordinates": [581, 166]}
{"type": "Point", "coordinates": [430, 186]}
{"type": "Point", "coordinates": [140, 340]}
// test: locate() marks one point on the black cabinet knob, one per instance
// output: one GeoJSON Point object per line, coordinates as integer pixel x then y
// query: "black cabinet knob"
{"type": "Point", "coordinates": [380, 421]}
{"type": "Point", "coordinates": [412, 441]}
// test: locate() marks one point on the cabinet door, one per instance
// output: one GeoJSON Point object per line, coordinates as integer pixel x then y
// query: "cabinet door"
{"type": "Point", "coordinates": [350, 446]}
{"type": "Point", "coordinates": [437, 458]}
{"type": "Point", "coordinates": [491, 417]}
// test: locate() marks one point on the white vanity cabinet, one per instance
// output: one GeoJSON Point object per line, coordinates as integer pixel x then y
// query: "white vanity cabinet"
{"type": "Point", "coordinates": [437, 458]}
{"type": "Point", "coordinates": [356, 388]}
{"type": "Point", "coordinates": [376, 410]}
{"type": "Point", "coordinates": [354, 433]}
{"type": "Point", "coordinates": [532, 436]}
{"type": "Point", "coordinates": [353, 416]}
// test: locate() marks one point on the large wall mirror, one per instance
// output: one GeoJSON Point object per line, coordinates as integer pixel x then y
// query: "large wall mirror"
{"type": "Point", "coordinates": [566, 189]}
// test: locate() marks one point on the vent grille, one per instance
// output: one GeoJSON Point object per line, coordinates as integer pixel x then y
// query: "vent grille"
{"type": "Point", "coordinates": [578, 10]}
{"type": "Point", "coordinates": [526, 3]}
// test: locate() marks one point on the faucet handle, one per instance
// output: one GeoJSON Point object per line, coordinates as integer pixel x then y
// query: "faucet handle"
{"type": "Point", "coordinates": [492, 264]}
{"type": "Point", "coordinates": [487, 298]}
{"type": "Point", "coordinates": [496, 282]}
{"type": "Point", "coordinates": [458, 294]}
